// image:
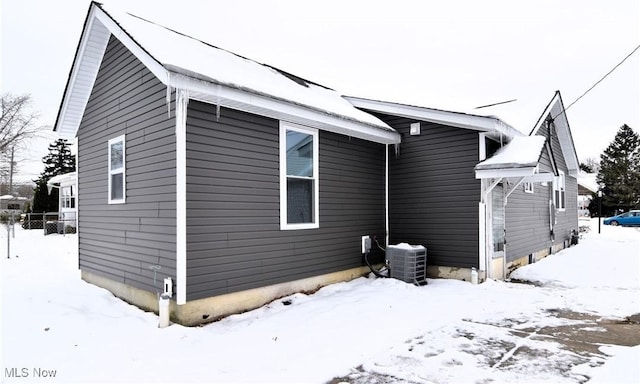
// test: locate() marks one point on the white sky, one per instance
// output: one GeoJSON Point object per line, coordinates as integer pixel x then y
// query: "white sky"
{"type": "Point", "coordinates": [453, 55]}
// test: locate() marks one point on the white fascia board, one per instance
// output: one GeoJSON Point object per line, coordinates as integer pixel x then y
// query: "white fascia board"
{"type": "Point", "coordinates": [504, 172]}
{"type": "Point", "coordinates": [64, 180]}
{"type": "Point", "coordinates": [566, 143]}
{"type": "Point", "coordinates": [529, 174]}
{"type": "Point", "coordinates": [93, 44]}
{"type": "Point", "coordinates": [84, 70]}
{"type": "Point", "coordinates": [218, 94]}
{"type": "Point", "coordinates": [152, 64]}
{"type": "Point", "coordinates": [556, 110]}
{"type": "Point", "coordinates": [454, 119]}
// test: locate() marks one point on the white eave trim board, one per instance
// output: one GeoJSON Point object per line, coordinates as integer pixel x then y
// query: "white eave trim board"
{"type": "Point", "coordinates": [556, 110]}
{"type": "Point", "coordinates": [528, 174]}
{"type": "Point", "coordinates": [93, 43]}
{"type": "Point", "coordinates": [281, 110]}
{"type": "Point", "coordinates": [84, 70]}
{"type": "Point", "coordinates": [454, 119]}
{"type": "Point", "coordinates": [80, 85]}
{"type": "Point", "coordinates": [152, 64]}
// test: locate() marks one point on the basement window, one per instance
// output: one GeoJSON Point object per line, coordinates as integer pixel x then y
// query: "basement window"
{"type": "Point", "coordinates": [298, 177]}
{"type": "Point", "coordinates": [117, 181]}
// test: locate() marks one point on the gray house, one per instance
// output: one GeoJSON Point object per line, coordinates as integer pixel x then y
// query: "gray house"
{"type": "Point", "coordinates": [238, 182]}
{"type": "Point", "coordinates": [229, 183]}
{"type": "Point", "coordinates": [477, 192]}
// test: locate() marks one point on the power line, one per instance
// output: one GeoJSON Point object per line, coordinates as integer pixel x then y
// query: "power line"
{"type": "Point", "coordinates": [599, 81]}
{"type": "Point", "coordinates": [494, 104]}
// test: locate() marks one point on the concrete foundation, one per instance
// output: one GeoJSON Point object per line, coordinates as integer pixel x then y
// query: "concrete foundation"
{"type": "Point", "coordinates": [206, 310]}
{"type": "Point", "coordinates": [464, 274]}
{"type": "Point", "coordinates": [536, 256]}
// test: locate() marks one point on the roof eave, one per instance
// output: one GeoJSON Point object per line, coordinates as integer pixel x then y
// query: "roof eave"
{"type": "Point", "coordinates": [265, 105]}
{"type": "Point", "coordinates": [450, 118]}
{"type": "Point", "coordinates": [98, 28]}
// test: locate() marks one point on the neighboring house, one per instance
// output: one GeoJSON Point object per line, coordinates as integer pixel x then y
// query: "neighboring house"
{"type": "Point", "coordinates": [12, 203]}
{"type": "Point", "coordinates": [66, 185]}
{"type": "Point", "coordinates": [587, 187]}
{"type": "Point", "coordinates": [514, 207]}
{"type": "Point", "coordinates": [239, 182]}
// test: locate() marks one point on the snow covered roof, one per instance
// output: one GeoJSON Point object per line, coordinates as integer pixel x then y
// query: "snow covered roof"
{"type": "Point", "coordinates": [490, 124]}
{"type": "Point", "coordinates": [588, 181]}
{"type": "Point", "coordinates": [523, 151]}
{"type": "Point", "coordinates": [63, 180]}
{"type": "Point", "coordinates": [519, 158]}
{"type": "Point", "coordinates": [13, 198]}
{"type": "Point", "coordinates": [210, 74]}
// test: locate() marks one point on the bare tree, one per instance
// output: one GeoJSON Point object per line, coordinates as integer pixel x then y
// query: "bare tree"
{"type": "Point", "coordinates": [17, 123]}
{"type": "Point", "coordinates": [590, 165]}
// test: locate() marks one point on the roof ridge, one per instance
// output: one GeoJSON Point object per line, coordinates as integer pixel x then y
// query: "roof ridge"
{"type": "Point", "coordinates": [300, 80]}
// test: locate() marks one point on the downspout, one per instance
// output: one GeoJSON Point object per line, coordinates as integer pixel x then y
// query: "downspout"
{"type": "Point", "coordinates": [386, 195]}
{"type": "Point", "coordinates": [486, 197]}
{"type": "Point", "coordinates": [182, 100]}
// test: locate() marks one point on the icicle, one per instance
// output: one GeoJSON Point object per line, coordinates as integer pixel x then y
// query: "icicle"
{"type": "Point", "coordinates": [397, 149]}
{"type": "Point", "coordinates": [218, 103]}
{"type": "Point", "coordinates": [168, 98]}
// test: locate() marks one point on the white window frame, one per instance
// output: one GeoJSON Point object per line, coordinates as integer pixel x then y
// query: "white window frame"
{"type": "Point", "coordinates": [528, 187]}
{"type": "Point", "coordinates": [559, 198]}
{"type": "Point", "coordinates": [284, 225]}
{"type": "Point", "coordinates": [118, 170]}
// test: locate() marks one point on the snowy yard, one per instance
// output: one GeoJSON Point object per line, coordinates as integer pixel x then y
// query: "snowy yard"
{"type": "Point", "coordinates": [562, 328]}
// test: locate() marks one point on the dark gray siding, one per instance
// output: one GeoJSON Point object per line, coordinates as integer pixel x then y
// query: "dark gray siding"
{"type": "Point", "coordinates": [122, 241]}
{"type": "Point", "coordinates": [567, 220]}
{"type": "Point", "coordinates": [528, 214]}
{"type": "Point", "coordinates": [234, 241]}
{"type": "Point", "coordinates": [433, 196]}
{"type": "Point", "coordinates": [527, 218]}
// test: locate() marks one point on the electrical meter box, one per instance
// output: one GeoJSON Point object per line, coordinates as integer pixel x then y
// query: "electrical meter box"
{"type": "Point", "coordinates": [408, 263]}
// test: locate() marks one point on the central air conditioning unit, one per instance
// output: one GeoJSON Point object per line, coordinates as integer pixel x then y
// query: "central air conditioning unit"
{"type": "Point", "coordinates": [408, 263]}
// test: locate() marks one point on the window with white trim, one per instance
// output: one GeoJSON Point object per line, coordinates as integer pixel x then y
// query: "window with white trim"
{"type": "Point", "coordinates": [117, 179]}
{"type": "Point", "coordinates": [298, 177]}
{"type": "Point", "coordinates": [68, 198]}
{"type": "Point", "coordinates": [528, 187]}
{"type": "Point", "coordinates": [559, 191]}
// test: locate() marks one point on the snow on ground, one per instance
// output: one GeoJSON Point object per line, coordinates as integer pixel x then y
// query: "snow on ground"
{"type": "Point", "coordinates": [366, 330]}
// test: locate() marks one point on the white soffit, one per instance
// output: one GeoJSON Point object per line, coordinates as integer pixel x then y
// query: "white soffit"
{"type": "Point", "coordinates": [93, 43]}
{"type": "Point", "coordinates": [454, 119]}
{"type": "Point", "coordinates": [556, 110]}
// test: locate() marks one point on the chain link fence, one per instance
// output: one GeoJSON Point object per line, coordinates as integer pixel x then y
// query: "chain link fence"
{"type": "Point", "coordinates": [51, 222]}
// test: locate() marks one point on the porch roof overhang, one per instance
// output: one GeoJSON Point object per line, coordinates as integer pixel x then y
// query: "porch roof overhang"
{"type": "Point", "coordinates": [518, 159]}
{"type": "Point", "coordinates": [63, 180]}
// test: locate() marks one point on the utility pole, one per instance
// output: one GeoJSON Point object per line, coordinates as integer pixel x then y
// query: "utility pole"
{"type": "Point", "coordinates": [11, 173]}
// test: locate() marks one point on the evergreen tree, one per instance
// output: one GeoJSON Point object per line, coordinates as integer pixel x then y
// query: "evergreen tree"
{"type": "Point", "coordinates": [58, 161]}
{"type": "Point", "coordinates": [620, 172]}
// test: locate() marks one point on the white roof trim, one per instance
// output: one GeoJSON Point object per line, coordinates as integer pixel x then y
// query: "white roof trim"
{"type": "Point", "coordinates": [64, 179]}
{"type": "Point", "coordinates": [529, 174]}
{"type": "Point", "coordinates": [556, 110]}
{"type": "Point", "coordinates": [84, 70]}
{"type": "Point", "coordinates": [454, 119]}
{"type": "Point", "coordinates": [100, 25]}
{"type": "Point", "coordinates": [266, 106]}
{"type": "Point", "coordinates": [521, 152]}
{"type": "Point", "coordinates": [152, 64]}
